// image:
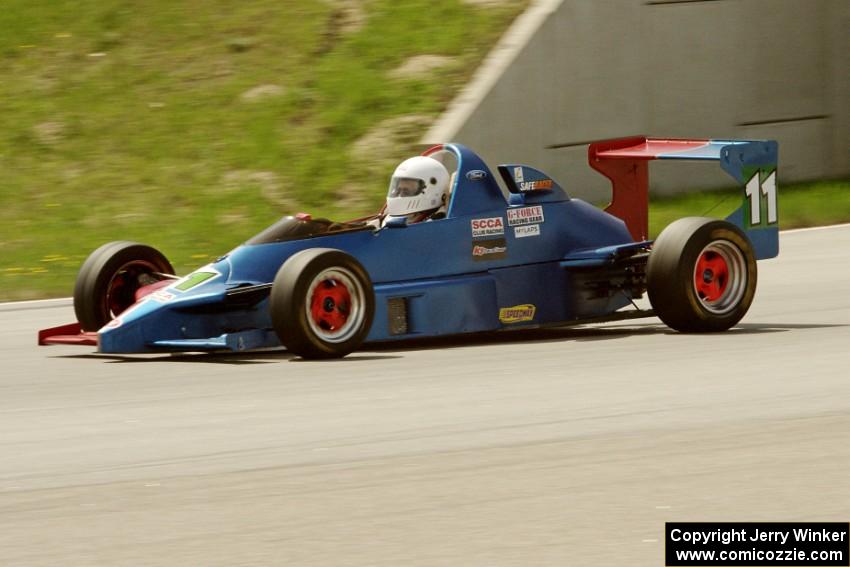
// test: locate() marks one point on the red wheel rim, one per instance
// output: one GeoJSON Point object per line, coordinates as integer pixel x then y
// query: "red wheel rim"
{"type": "Point", "coordinates": [121, 290]}
{"type": "Point", "coordinates": [335, 305]}
{"type": "Point", "coordinates": [330, 305]}
{"type": "Point", "coordinates": [720, 277]}
{"type": "Point", "coordinates": [711, 276]}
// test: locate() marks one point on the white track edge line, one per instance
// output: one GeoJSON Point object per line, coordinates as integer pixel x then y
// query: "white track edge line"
{"type": "Point", "coordinates": [811, 228]}
{"type": "Point", "coordinates": [35, 302]}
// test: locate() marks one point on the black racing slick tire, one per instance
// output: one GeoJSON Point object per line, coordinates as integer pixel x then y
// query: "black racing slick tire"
{"type": "Point", "coordinates": [109, 278]}
{"type": "Point", "coordinates": [701, 275]}
{"type": "Point", "coordinates": [322, 303]}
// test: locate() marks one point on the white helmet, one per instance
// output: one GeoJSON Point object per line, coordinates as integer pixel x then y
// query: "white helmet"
{"type": "Point", "coordinates": [418, 184]}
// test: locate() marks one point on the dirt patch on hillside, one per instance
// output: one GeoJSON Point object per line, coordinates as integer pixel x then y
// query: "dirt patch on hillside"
{"type": "Point", "coordinates": [420, 66]}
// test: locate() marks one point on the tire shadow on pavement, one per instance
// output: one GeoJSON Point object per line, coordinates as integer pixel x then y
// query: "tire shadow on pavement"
{"type": "Point", "coordinates": [576, 334]}
{"type": "Point", "coordinates": [233, 358]}
{"type": "Point", "coordinates": [511, 336]}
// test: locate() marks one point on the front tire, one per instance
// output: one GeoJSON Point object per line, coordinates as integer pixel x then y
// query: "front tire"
{"type": "Point", "coordinates": [701, 275]}
{"type": "Point", "coordinates": [109, 278]}
{"type": "Point", "coordinates": [322, 303]}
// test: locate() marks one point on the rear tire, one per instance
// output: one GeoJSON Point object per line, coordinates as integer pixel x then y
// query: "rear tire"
{"type": "Point", "coordinates": [108, 279]}
{"type": "Point", "coordinates": [322, 303]}
{"type": "Point", "coordinates": [701, 275]}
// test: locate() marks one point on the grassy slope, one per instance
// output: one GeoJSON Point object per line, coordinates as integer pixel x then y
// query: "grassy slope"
{"type": "Point", "coordinates": [805, 204]}
{"type": "Point", "coordinates": [125, 120]}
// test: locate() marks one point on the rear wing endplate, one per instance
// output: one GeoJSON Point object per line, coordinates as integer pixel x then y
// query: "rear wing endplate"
{"type": "Point", "coordinates": [751, 163]}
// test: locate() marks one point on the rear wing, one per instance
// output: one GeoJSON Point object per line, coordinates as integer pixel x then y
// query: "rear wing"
{"type": "Point", "coordinates": [751, 163]}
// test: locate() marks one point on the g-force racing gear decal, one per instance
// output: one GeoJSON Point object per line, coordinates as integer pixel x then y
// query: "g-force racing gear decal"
{"type": "Point", "coordinates": [525, 215]}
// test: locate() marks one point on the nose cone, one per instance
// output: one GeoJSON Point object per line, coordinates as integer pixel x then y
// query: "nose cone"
{"type": "Point", "coordinates": [158, 316]}
{"type": "Point", "coordinates": [126, 333]}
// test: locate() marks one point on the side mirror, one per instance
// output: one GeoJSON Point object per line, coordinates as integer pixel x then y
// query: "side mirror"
{"type": "Point", "coordinates": [396, 222]}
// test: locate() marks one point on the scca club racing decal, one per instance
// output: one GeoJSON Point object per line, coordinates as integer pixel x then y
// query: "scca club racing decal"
{"type": "Point", "coordinates": [525, 215]}
{"type": "Point", "coordinates": [540, 185]}
{"type": "Point", "coordinates": [493, 249]}
{"type": "Point", "coordinates": [517, 313]}
{"type": "Point", "coordinates": [527, 230]}
{"type": "Point", "coordinates": [487, 227]}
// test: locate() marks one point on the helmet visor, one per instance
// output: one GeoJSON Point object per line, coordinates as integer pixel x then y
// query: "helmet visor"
{"type": "Point", "coordinates": [406, 187]}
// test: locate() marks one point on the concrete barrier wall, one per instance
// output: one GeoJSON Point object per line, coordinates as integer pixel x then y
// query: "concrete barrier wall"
{"type": "Point", "coordinates": [573, 71]}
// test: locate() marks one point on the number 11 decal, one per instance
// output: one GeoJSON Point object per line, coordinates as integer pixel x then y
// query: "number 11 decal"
{"type": "Point", "coordinates": [756, 188]}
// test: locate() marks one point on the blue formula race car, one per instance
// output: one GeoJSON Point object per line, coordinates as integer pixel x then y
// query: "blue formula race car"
{"type": "Point", "coordinates": [513, 251]}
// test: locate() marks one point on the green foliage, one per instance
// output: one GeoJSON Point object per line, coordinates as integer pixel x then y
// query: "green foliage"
{"type": "Point", "coordinates": [801, 205]}
{"type": "Point", "coordinates": [192, 125]}
{"type": "Point", "coordinates": [129, 120]}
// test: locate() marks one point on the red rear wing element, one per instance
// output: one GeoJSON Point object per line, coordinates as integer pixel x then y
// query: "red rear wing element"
{"type": "Point", "coordinates": [629, 181]}
{"type": "Point", "coordinates": [751, 163]}
{"type": "Point", "coordinates": [624, 162]}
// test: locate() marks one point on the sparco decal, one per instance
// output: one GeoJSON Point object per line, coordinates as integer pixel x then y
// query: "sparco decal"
{"type": "Point", "coordinates": [517, 313]}
{"type": "Point", "coordinates": [525, 215]}
{"type": "Point", "coordinates": [493, 249]}
{"type": "Point", "coordinates": [540, 185]}
{"type": "Point", "coordinates": [487, 227]}
{"type": "Point", "coordinates": [527, 230]}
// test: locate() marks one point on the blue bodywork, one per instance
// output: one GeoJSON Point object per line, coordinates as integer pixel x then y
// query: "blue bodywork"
{"type": "Point", "coordinates": [555, 260]}
{"type": "Point", "coordinates": [431, 266]}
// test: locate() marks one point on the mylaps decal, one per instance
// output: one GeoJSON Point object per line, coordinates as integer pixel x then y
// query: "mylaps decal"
{"type": "Point", "coordinates": [493, 249]}
{"type": "Point", "coordinates": [517, 313]}
{"type": "Point", "coordinates": [525, 215]}
{"type": "Point", "coordinates": [527, 230]}
{"type": "Point", "coordinates": [540, 185]}
{"type": "Point", "coordinates": [487, 227]}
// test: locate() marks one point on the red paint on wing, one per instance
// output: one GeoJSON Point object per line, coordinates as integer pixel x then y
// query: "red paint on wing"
{"type": "Point", "coordinates": [640, 147]}
{"type": "Point", "coordinates": [66, 335]}
{"type": "Point", "coordinates": [629, 182]}
{"type": "Point", "coordinates": [624, 162]}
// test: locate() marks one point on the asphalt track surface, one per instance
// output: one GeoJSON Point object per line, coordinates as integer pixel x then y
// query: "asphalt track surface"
{"type": "Point", "coordinates": [559, 447]}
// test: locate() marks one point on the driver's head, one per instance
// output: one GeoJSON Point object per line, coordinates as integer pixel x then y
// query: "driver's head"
{"type": "Point", "coordinates": [418, 184]}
